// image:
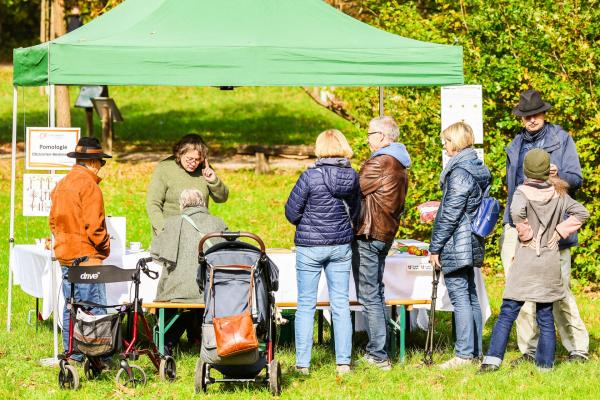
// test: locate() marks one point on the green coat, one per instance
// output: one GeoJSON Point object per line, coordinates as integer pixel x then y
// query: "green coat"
{"type": "Point", "coordinates": [176, 248]}
{"type": "Point", "coordinates": [168, 181]}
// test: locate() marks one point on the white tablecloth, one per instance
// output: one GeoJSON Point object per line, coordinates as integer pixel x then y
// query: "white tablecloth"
{"type": "Point", "coordinates": [31, 268]}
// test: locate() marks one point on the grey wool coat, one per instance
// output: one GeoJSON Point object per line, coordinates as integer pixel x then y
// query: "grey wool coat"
{"type": "Point", "coordinates": [176, 248]}
{"type": "Point", "coordinates": [538, 210]}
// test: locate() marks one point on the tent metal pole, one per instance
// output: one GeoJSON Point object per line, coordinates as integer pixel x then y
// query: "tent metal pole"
{"type": "Point", "coordinates": [13, 178]}
{"type": "Point", "coordinates": [381, 101]}
{"type": "Point", "coordinates": [52, 106]}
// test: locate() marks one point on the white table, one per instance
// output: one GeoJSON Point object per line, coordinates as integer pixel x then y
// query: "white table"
{"type": "Point", "coordinates": [31, 267]}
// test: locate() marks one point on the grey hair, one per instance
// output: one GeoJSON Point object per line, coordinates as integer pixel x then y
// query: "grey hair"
{"type": "Point", "coordinates": [191, 198]}
{"type": "Point", "coordinates": [385, 125]}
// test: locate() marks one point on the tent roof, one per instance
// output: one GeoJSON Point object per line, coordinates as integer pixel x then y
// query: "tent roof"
{"type": "Point", "coordinates": [235, 43]}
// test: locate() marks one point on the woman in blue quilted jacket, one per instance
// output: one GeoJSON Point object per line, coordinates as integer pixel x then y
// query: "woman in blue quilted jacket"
{"type": "Point", "coordinates": [454, 247]}
{"type": "Point", "coordinates": [324, 205]}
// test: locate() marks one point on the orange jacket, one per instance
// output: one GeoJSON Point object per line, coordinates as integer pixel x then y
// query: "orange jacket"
{"type": "Point", "coordinates": [77, 218]}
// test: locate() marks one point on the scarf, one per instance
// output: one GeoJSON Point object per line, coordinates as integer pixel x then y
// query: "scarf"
{"type": "Point", "coordinates": [532, 137]}
{"type": "Point", "coordinates": [467, 154]}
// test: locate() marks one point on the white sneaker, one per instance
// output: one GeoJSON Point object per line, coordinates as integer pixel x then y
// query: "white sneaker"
{"type": "Point", "coordinates": [455, 363]}
{"type": "Point", "coordinates": [342, 369]}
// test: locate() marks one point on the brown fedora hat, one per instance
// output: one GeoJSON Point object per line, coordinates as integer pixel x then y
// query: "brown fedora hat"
{"type": "Point", "coordinates": [88, 148]}
{"type": "Point", "coordinates": [530, 103]}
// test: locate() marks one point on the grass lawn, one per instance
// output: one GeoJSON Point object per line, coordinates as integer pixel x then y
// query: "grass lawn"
{"type": "Point", "coordinates": [279, 115]}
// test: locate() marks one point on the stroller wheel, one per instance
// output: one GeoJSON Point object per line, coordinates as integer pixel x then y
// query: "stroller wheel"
{"type": "Point", "coordinates": [137, 378]}
{"type": "Point", "coordinates": [167, 369]}
{"type": "Point", "coordinates": [200, 378]}
{"type": "Point", "coordinates": [68, 377]}
{"type": "Point", "coordinates": [275, 378]}
{"type": "Point", "coordinates": [90, 371]}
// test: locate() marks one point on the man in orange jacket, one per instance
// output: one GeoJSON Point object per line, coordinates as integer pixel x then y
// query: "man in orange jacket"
{"type": "Point", "coordinates": [78, 225]}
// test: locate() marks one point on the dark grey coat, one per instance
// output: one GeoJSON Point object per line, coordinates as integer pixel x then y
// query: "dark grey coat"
{"type": "Point", "coordinates": [463, 183]}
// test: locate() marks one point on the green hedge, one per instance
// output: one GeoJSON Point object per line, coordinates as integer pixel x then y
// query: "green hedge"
{"type": "Point", "coordinates": [509, 46]}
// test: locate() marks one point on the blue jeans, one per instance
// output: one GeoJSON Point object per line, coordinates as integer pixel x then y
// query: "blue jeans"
{"type": "Point", "coordinates": [467, 312]}
{"type": "Point", "coordinates": [336, 261]}
{"type": "Point", "coordinates": [91, 292]}
{"type": "Point", "coordinates": [544, 355]}
{"type": "Point", "coordinates": [368, 265]}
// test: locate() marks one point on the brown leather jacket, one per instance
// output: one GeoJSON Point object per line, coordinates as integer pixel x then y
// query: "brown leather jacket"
{"type": "Point", "coordinates": [77, 218]}
{"type": "Point", "coordinates": [383, 184]}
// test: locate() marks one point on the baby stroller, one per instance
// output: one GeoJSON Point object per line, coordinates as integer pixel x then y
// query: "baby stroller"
{"type": "Point", "coordinates": [99, 336]}
{"type": "Point", "coordinates": [237, 277]}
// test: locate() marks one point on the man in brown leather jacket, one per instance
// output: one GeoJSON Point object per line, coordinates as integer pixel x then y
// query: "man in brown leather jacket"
{"type": "Point", "coordinates": [78, 225]}
{"type": "Point", "coordinates": [383, 185]}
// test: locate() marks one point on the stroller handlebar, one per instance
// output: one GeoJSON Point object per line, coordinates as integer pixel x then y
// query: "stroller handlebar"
{"type": "Point", "coordinates": [230, 236]}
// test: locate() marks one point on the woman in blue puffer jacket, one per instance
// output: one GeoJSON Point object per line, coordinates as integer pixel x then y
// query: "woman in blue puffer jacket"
{"type": "Point", "coordinates": [454, 247]}
{"type": "Point", "coordinates": [324, 205]}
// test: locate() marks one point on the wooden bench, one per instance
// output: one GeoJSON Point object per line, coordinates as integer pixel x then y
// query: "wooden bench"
{"type": "Point", "coordinates": [397, 322]}
{"type": "Point", "coordinates": [163, 326]}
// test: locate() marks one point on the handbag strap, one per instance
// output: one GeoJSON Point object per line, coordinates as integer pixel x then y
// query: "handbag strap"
{"type": "Point", "coordinates": [193, 224]}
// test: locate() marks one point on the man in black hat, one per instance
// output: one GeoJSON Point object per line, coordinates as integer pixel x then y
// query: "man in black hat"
{"type": "Point", "coordinates": [78, 224]}
{"type": "Point", "coordinates": [564, 164]}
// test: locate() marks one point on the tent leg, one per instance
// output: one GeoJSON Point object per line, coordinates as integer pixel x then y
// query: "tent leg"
{"type": "Point", "coordinates": [55, 311]}
{"type": "Point", "coordinates": [381, 101]}
{"type": "Point", "coordinates": [52, 106]}
{"type": "Point", "coordinates": [13, 178]}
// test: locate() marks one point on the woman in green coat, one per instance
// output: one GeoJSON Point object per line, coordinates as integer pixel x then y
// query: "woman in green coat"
{"type": "Point", "coordinates": [187, 168]}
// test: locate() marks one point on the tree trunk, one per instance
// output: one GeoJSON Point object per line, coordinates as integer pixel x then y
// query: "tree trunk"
{"type": "Point", "coordinates": [58, 28]}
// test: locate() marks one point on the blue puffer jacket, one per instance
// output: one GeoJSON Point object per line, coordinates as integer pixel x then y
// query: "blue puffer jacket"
{"type": "Point", "coordinates": [325, 204]}
{"type": "Point", "coordinates": [463, 183]}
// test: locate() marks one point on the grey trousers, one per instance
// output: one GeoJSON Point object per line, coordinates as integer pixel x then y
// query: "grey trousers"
{"type": "Point", "coordinates": [573, 334]}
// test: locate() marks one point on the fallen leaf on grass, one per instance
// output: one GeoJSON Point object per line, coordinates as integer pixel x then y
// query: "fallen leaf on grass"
{"type": "Point", "coordinates": [125, 389]}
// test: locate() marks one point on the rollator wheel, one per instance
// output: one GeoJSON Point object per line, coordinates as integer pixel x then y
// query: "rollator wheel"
{"type": "Point", "coordinates": [90, 371]}
{"type": "Point", "coordinates": [68, 377]}
{"type": "Point", "coordinates": [137, 378]}
{"type": "Point", "coordinates": [200, 378]}
{"type": "Point", "coordinates": [167, 369]}
{"type": "Point", "coordinates": [275, 378]}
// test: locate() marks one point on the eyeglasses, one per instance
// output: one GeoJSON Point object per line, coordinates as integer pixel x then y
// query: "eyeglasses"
{"type": "Point", "coordinates": [189, 160]}
{"type": "Point", "coordinates": [372, 133]}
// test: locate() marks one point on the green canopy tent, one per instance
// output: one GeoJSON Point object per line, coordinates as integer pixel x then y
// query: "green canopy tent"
{"type": "Point", "coordinates": [234, 43]}
{"type": "Point", "coordinates": [226, 43]}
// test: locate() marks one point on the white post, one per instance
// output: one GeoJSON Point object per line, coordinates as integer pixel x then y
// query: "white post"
{"type": "Point", "coordinates": [13, 178]}
{"type": "Point", "coordinates": [381, 101]}
{"type": "Point", "coordinates": [55, 310]}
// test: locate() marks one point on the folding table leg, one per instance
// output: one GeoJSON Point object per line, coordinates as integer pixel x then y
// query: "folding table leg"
{"type": "Point", "coordinates": [37, 313]}
{"type": "Point", "coordinates": [320, 326]}
{"type": "Point", "coordinates": [402, 331]}
{"type": "Point", "coordinates": [161, 331]}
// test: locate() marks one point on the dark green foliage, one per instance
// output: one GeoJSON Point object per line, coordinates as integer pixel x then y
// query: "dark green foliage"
{"type": "Point", "coordinates": [509, 46]}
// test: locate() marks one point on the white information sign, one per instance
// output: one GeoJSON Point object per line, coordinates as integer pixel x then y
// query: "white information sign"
{"type": "Point", "coordinates": [36, 193]}
{"type": "Point", "coordinates": [117, 229]}
{"type": "Point", "coordinates": [47, 148]}
{"type": "Point", "coordinates": [463, 103]}
{"type": "Point", "coordinates": [445, 157]}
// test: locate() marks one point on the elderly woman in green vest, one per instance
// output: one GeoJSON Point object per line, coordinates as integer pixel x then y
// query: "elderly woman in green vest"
{"type": "Point", "coordinates": [187, 168]}
{"type": "Point", "coordinates": [176, 248]}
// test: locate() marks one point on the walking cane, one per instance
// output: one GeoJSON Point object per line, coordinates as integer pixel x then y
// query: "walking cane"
{"type": "Point", "coordinates": [428, 358]}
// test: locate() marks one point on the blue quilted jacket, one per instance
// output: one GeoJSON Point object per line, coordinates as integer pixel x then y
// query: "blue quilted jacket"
{"type": "Point", "coordinates": [325, 204]}
{"type": "Point", "coordinates": [463, 182]}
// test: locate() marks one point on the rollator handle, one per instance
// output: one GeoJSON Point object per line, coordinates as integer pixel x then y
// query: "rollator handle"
{"type": "Point", "coordinates": [79, 260]}
{"type": "Point", "coordinates": [142, 265]}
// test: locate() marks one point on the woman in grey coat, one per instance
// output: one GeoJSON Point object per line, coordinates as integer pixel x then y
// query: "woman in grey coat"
{"type": "Point", "coordinates": [538, 209]}
{"type": "Point", "coordinates": [176, 248]}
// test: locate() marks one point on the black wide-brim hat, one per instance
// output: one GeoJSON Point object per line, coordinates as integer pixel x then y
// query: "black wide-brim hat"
{"type": "Point", "coordinates": [88, 148]}
{"type": "Point", "coordinates": [530, 103]}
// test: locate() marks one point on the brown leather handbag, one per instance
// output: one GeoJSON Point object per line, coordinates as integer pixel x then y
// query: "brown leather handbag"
{"type": "Point", "coordinates": [234, 334]}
